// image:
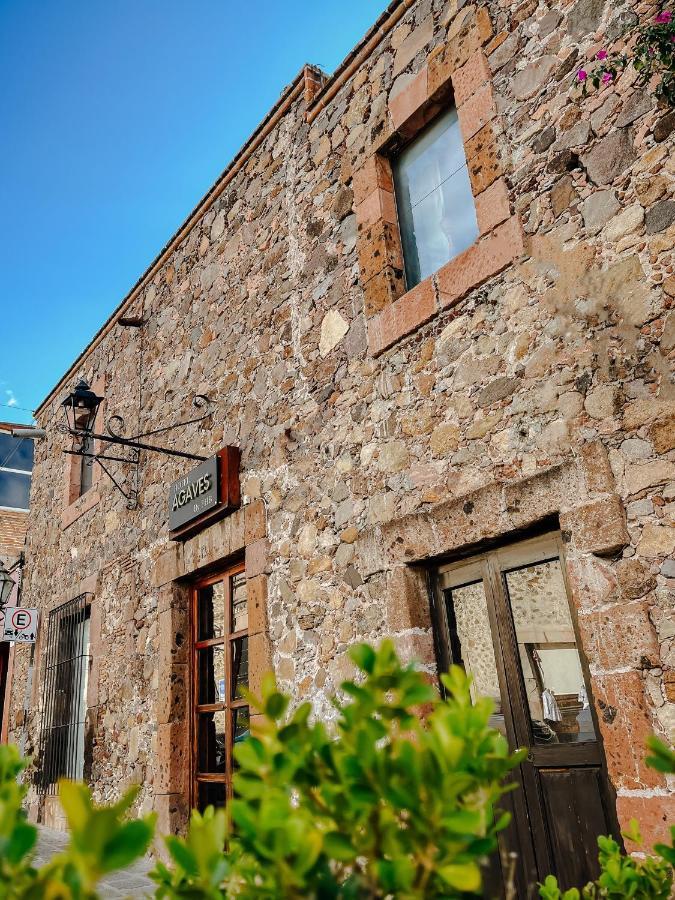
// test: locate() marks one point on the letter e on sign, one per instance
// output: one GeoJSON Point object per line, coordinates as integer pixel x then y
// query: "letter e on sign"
{"type": "Point", "coordinates": [21, 624]}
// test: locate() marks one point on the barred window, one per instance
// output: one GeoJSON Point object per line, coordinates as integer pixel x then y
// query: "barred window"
{"type": "Point", "coordinates": [67, 656]}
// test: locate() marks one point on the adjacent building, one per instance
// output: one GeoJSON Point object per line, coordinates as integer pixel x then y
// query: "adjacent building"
{"type": "Point", "coordinates": [430, 305]}
{"type": "Point", "coordinates": [16, 463]}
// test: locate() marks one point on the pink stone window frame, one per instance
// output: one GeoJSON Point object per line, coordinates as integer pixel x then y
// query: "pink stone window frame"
{"type": "Point", "coordinates": [455, 73]}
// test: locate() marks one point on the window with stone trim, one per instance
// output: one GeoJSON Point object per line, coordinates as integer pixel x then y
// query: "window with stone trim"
{"type": "Point", "coordinates": [219, 674]}
{"type": "Point", "coordinates": [436, 212]}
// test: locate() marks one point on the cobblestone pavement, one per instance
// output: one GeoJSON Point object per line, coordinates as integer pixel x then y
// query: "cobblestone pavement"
{"type": "Point", "coordinates": [132, 882]}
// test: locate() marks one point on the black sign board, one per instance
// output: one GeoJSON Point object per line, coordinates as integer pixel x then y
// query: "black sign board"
{"type": "Point", "coordinates": [194, 494]}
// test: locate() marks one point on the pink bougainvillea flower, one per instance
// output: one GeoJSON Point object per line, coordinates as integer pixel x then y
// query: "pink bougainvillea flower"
{"type": "Point", "coordinates": [601, 54]}
{"type": "Point", "coordinates": [607, 77]}
{"type": "Point", "coordinates": [664, 17]}
{"type": "Point", "coordinates": [582, 75]}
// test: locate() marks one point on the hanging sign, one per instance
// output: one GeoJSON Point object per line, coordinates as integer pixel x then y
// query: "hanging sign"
{"type": "Point", "coordinates": [206, 493]}
{"type": "Point", "coordinates": [21, 624]}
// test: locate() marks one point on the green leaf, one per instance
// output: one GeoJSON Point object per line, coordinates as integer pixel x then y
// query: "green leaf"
{"type": "Point", "coordinates": [130, 842]}
{"type": "Point", "coordinates": [181, 855]}
{"type": "Point", "coordinates": [363, 656]}
{"type": "Point", "coordinates": [462, 876]}
{"type": "Point", "coordinates": [338, 846]}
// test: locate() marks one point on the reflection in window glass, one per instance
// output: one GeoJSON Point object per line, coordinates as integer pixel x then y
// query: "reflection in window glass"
{"type": "Point", "coordinates": [435, 204]}
{"type": "Point", "coordinates": [16, 453]}
{"type": "Point", "coordinates": [239, 603]}
{"type": "Point", "coordinates": [239, 666]}
{"type": "Point", "coordinates": [212, 674]}
{"type": "Point", "coordinates": [212, 742]}
{"type": "Point", "coordinates": [211, 794]}
{"type": "Point", "coordinates": [241, 726]}
{"type": "Point", "coordinates": [554, 681]}
{"type": "Point", "coordinates": [14, 489]}
{"type": "Point", "coordinates": [211, 613]}
{"type": "Point", "coordinates": [471, 642]}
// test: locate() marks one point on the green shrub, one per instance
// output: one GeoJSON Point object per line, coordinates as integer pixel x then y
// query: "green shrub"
{"type": "Point", "coordinates": [102, 840]}
{"type": "Point", "coordinates": [387, 805]}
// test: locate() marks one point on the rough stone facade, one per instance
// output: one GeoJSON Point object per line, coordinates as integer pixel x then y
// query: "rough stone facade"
{"type": "Point", "coordinates": [528, 380]}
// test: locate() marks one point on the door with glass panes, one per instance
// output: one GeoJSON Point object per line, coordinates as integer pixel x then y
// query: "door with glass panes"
{"type": "Point", "coordinates": [219, 673]}
{"type": "Point", "coordinates": [506, 617]}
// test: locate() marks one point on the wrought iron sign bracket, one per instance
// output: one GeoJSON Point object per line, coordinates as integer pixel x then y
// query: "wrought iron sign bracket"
{"type": "Point", "coordinates": [80, 409]}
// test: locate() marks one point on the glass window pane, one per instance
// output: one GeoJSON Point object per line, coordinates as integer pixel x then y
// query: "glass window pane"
{"type": "Point", "coordinates": [211, 794]}
{"type": "Point", "coordinates": [211, 611]}
{"type": "Point", "coordinates": [86, 466]}
{"type": "Point", "coordinates": [211, 741]}
{"type": "Point", "coordinates": [241, 725]}
{"type": "Point", "coordinates": [14, 489]}
{"type": "Point", "coordinates": [16, 453]}
{"type": "Point", "coordinates": [434, 199]}
{"type": "Point", "coordinates": [239, 602]}
{"type": "Point", "coordinates": [211, 665]}
{"type": "Point", "coordinates": [557, 694]}
{"type": "Point", "coordinates": [239, 666]}
{"type": "Point", "coordinates": [471, 642]}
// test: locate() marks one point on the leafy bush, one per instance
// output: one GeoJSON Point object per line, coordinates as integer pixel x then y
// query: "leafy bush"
{"type": "Point", "coordinates": [102, 840]}
{"type": "Point", "coordinates": [624, 876]}
{"type": "Point", "coordinates": [387, 806]}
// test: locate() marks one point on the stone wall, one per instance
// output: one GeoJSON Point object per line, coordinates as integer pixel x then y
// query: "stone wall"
{"type": "Point", "coordinates": [382, 429]}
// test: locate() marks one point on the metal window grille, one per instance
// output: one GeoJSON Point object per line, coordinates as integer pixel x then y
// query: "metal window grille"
{"type": "Point", "coordinates": [64, 702]}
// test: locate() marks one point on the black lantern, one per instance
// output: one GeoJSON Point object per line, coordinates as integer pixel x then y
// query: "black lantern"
{"type": "Point", "coordinates": [6, 585]}
{"type": "Point", "coordinates": [80, 408]}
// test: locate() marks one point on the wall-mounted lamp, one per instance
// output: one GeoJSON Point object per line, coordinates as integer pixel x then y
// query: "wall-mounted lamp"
{"type": "Point", "coordinates": [81, 407]}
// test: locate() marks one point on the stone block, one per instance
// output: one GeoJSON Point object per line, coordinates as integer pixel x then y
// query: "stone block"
{"type": "Point", "coordinates": [173, 695]}
{"type": "Point", "coordinates": [408, 539]}
{"type": "Point", "coordinates": [406, 102]}
{"type": "Point", "coordinates": [483, 157]}
{"type": "Point", "coordinates": [259, 660]}
{"type": "Point", "coordinates": [257, 604]}
{"type": "Point", "coordinates": [255, 521]}
{"type": "Point", "coordinates": [382, 290]}
{"type": "Point", "coordinates": [655, 815]}
{"type": "Point", "coordinates": [610, 157]}
{"type": "Point", "coordinates": [379, 247]}
{"type": "Point", "coordinates": [379, 205]}
{"type": "Point", "coordinates": [258, 560]}
{"type": "Point", "coordinates": [488, 257]}
{"type": "Point", "coordinates": [374, 173]}
{"type": "Point", "coordinates": [413, 647]}
{"type": "Point", "coordinates": [477, 111]}
{"type": "Point", "coordinates": [407, 599]}
{"type": "Point", "coordinates": [622, 636]}
{"type": "Point", "coordinates": [598, 526]}
{"type": "Point", "coordinates": [593, 581]}
{"type": "Point", "coordinates": [625, 723]}
{"type": "Point", "coordinates": [173, 639]}
{"type": "Point", "coordinates": [529, 500]}
{"type": "Point", "coordinates": [172, 758]}
{"type": "Point", "coordinates": [404, 316]}
{"type": "Point", "coordinates": [173, 814]}
{"type": "Point", "coordinates": [597, 472]}
{"type": "Point", "coordinates": [634, 579]}
{"type": "Point", "coordinates": [492, 206]}
{"type": "Point", "coordinates": [470, 77]}
{"type": "Point", "coordinates": [370, 553]}
{"type": "Point", "coordinates": [168, 565]}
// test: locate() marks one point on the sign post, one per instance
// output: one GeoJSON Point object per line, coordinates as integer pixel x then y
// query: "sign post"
{"type": "Point", "coordinates": [20, 625]}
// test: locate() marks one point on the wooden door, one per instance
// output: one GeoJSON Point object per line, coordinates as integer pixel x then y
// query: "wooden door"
{"type": "Point", "coordinates": [506, 617]}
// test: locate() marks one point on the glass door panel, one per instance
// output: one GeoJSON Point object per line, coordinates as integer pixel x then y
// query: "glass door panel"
{"type": "Point", "coordinates": [470, 635]}
{"type": "Point", "coordinates": [557, 695]}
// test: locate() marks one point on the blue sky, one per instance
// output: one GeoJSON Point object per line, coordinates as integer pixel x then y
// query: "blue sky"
{"type": "Point", "coordinates": [115, 118]}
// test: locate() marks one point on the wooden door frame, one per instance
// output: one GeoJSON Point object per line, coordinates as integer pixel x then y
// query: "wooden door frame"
{"type": "Point", "coordinates": [229, 705]}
